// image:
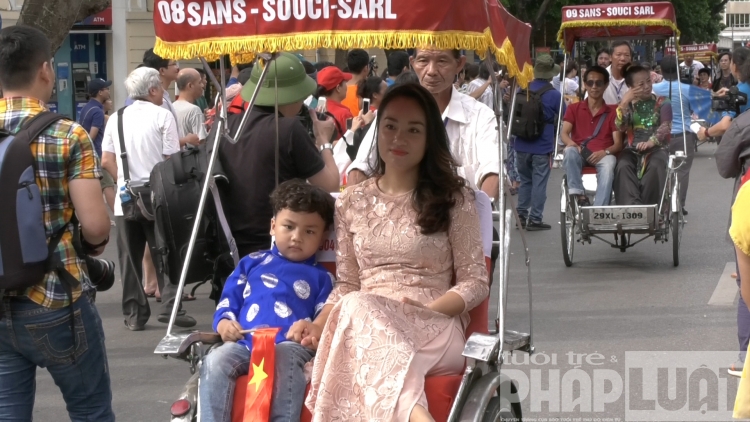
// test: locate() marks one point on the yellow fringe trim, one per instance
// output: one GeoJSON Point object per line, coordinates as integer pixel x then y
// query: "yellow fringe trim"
{"type": "Point", "coordinates": [613, 23]}
{"type": "Point", "coordinates": [241, 49]}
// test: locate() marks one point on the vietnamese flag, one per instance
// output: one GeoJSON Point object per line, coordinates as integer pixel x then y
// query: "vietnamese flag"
{"type": "Point", "coordinates": [260, 375]}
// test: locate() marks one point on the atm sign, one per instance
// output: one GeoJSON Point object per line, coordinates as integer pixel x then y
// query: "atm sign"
{"type": "Point", "coordinates": [103, 18]}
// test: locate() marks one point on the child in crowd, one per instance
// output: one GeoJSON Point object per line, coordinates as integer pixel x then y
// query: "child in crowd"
{"type": "Point", "coordinates": [272, 288]}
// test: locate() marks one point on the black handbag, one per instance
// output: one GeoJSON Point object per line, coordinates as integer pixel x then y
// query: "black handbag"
{"type": "Point", "coordinates": [139, 208]}
{"type": "Point", "coordinates": [585, 152]}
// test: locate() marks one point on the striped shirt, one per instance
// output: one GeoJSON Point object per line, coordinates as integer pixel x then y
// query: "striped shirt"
{"type": "Point", "coordinates": [63, 152]}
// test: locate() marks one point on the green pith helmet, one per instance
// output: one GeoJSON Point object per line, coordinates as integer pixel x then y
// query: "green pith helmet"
{"type": "Point", "coordinates": [293, 83]}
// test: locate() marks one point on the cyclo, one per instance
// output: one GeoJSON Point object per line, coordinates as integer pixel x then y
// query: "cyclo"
{"type": "Point", "coordinates": [482, 392]}
{"type": "Point", "coordinates": [663, 221]}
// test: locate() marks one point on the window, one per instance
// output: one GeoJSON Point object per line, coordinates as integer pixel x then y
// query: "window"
{"type": "Point", "coordinates": [737, 20]}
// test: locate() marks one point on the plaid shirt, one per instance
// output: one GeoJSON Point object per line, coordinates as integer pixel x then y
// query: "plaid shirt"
{"type": "Point", "coordinates": [63, 152]}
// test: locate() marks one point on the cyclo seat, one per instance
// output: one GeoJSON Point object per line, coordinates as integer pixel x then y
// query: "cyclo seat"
{"type": "Point", "coordinates": [440, 391]}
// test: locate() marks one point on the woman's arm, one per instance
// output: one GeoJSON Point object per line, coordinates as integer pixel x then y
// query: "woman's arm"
{"type": "Point", "coordinates": [347, 280]}
{"type": "Point", "coordinates": [664, 131]}
{"type": "Point", "coordinates": [472, 280]}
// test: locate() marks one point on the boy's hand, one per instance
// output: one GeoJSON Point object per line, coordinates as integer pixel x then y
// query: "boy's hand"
{"type": "Point", "coordinates": [229, 330]}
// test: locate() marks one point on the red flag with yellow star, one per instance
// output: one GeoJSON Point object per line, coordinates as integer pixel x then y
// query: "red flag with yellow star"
{"type": "Point", "coordinates": [260, 386]}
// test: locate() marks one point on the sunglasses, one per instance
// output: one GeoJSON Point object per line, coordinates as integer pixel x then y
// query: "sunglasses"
{"type": "Point", "coordinates": [599, 83]}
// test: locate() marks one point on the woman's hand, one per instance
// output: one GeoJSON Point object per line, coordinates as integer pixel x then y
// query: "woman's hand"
{"type": "Point", "coordinates": [305, 333]}
{"type": "Point", "coordinates": [643, 146]}
{"type": "Point", "coordinates": [229, 330]}
{"type": "Point", "coordinates": [413, 302]}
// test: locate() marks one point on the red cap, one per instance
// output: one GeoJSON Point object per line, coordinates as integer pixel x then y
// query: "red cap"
{"type": "Point", "coordinates": [330, 77]}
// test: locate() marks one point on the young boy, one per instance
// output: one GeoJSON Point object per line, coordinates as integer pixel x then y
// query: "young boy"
{"type": "Point", "coordinates": [275, 289]}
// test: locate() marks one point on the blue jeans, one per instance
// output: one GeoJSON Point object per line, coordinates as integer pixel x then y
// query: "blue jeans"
{"type": "Point", "coordinates": [229, 361]}
{"type": "Point", "coordinates": [605, 175]}
{"type": "Point", "coordinates": [33, 336]}
{"type": "Point", "coordinates": [533, 172]}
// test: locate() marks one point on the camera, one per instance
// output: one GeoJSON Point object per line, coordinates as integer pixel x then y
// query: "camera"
{"type": "Point", "coordinates": [686, 75]}
{"type": "Point", "coordinates": [101, 272]}
{"type": "Point", "coordinates": [732, 101]}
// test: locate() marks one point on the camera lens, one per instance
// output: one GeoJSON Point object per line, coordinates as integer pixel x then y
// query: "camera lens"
{"type": "Point", "coordinates": [101, 273]}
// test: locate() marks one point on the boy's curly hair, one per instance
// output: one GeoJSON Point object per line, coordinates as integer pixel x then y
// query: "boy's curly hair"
{"type": "Point", "coordinates": [299, 196]}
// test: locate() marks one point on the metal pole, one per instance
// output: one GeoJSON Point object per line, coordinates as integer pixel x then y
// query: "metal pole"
{"type": "Point", "coordinates": [221, 123]}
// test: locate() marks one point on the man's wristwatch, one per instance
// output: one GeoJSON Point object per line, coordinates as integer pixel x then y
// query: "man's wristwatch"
{"type": "Point", "coordinates": [606, 151]}
{"type": "Point", "coordinates": [326, 146]}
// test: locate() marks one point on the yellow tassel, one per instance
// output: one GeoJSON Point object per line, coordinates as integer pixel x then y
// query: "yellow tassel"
{"type": "Point", "coordinates": [614, 23]}
{"type": "Point", "coordinates": [241, 49]}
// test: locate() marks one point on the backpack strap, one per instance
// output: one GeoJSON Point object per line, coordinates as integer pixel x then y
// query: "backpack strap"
{"type": "Point", "coordinates": [123, 151]}
{"type": "Point", "coordinates": [33, 128]}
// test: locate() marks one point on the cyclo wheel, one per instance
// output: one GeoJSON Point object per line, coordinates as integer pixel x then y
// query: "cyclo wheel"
{"type": "Point", "coordinates": [500, 409]}
{"type": "Point", "coordinates": [567, 224]}
{"type": "Point", "coordinates": [677, 223]}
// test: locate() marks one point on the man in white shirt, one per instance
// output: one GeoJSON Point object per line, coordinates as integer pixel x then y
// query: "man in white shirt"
{"type": "Point", "coordinates": [150, 136]}
{"type": "Point", "coordinates": [471, 125]}
{"type": "Point", "coordinates": [189, 116]}
{"type": "Point", "coordinates": [168, 70]}
{"type": "Point", "coordinates": [622, 54]}
{"type": "Point", "coordinates": [691, 67]}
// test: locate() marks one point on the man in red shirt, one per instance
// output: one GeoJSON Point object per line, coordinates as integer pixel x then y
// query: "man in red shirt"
{"type": "Point", "coordinates": [589, 126]}
{"type": "Point", "coordinates": [332, 86]}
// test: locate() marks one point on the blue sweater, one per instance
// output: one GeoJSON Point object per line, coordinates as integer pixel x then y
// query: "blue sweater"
{"type": "Point", "coordinates": [268, 290]}
{"type": "Point", "coordinates": [545, 144]}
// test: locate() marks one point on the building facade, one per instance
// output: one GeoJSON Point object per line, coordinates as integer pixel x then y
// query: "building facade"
{"type": "Point", "coordinates": [737, 19]}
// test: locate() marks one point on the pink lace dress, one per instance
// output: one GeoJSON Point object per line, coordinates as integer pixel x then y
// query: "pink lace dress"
{"type": "Point", "coordinates": [365, 368]}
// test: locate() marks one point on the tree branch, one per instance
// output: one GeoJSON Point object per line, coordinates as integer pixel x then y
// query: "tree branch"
{"type": "Point", "coordinates": [56, 17]}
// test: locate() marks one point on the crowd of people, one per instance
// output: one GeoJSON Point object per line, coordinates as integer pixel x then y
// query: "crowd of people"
{"type": "Point", "coordinates": [407, 149]}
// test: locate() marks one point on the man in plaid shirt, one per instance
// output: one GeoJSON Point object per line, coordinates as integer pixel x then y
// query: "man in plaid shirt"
{"type": "Point", "coordinates": [35, 324]}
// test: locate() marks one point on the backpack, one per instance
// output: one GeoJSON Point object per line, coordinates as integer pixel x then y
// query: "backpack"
{"type": "Point", "coordinates": [528, 116]}
{"type": "Point", "coordinates": [176, 186]}
{"type": "Point", "coordinates": [25, 254]}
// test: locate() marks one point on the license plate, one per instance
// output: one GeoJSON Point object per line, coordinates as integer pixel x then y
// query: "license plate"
{"type": "Point", "coordinates": [619, 215]}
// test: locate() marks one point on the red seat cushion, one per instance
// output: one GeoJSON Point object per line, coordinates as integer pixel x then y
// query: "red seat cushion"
{"type": "Point", "coordinates": [588, 170]}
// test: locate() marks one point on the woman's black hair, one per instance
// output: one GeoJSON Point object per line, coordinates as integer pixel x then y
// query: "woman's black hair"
{"type": "Point", "coordinates": [407, 77]}
{"type": "Point", "coordinates": [323, 92]}
{"type": "Point", "coordinates": [471, 70]}
{"type": "Point", "coordinates": [571, 66]}
{"type": "Point", "coordinates": [630, 70]}
{"type": "Point", "coordinates": [597, 69]}
{"type": "Point", "coordinates": [367, 87]}
{"type": "Point", "coordinates": [439, 186]}
{"type": "Point", "coordinates": [484, 72]}
{"type": "Point", "coordinates": [741, 60]}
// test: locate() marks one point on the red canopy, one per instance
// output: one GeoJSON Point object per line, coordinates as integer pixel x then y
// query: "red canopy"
{"type": "Point", "coordinates": [618, 20]}
{"type": "Point", "coordinates": [519, 34]}
{"type": "Point", "coordinates": [191, 28]}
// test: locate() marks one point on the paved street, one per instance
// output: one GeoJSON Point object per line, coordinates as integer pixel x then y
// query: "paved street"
{"type": "Point", "coordinates": [609, 302]}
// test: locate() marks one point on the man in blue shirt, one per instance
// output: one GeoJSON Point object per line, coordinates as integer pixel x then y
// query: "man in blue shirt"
{"type": "Point", "coordinates": [533, 155]}
{"type": "Point", "coordinates": [686, 99]}
{"type": "Point", "coordinates": [91, 118]}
